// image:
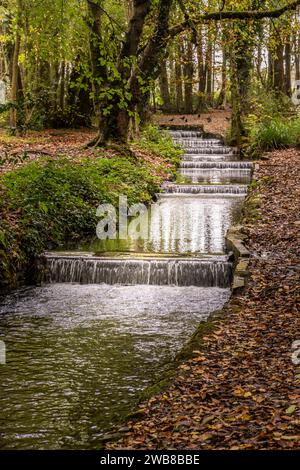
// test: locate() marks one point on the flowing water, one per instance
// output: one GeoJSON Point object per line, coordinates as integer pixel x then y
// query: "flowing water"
{"type": "Point", "coordinates": [180, 223]}
{"type": "Point", "coordinates": [209, 272]}
{"type": "Point", "coordinates": [79, 355]}
{"type": "Point", "coordinates": [107, 318]}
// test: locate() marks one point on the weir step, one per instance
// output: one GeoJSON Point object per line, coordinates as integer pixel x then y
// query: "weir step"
{"type": "Point", "coordinates": [216, 165]}
{"type": "Point", "coordinates": [211, 150]}
{"type": "Point", "coordinates": [96, 270]}
{"type": "Point", "coordinates": [211, 157]}
{"type": "Point", "coordinates": [205, 189]}
{"type": "Point", "coordinates": [198, 143]}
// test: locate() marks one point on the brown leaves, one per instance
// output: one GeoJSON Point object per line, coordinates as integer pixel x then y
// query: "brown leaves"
{"type": "Point", "coordinates": [216, 121]}
{"type": "Point", "coordinates": [241, 391]}
{"type": "Point", "coordinates": [51, 144]}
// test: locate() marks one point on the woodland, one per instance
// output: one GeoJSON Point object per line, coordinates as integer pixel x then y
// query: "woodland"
{"type": "Point", "coordinates": [97, 100]}
{"type": "Point", "coordinates": [112, 64]}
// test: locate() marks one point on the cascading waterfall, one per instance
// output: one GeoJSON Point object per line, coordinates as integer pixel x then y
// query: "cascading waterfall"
{"type": "Point", "coordinates": [215, 272]}
{"type": "Point", "coordinates": [209, 157]}
{"type": "Point", "coordinates": [209, 161]}
{"type": "Point", "coordinates": [213, 150]}
{"type": "Point", "coordinates": [186, 143]}
{"type": "Point", "coordinates": [217, 165]}
{"type": "Point", "coordinates": [202, 162]}
{"type": "Point", "coordinates": [181, 134]}
{"type": "Point", "coordinates": [202, 189]}
{"type": "Point", "coordinates": [216, 175]}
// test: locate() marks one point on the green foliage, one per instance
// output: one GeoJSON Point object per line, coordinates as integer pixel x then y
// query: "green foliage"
{"type": "Point", "coordinates": [274, 134]}
{"type": "Point", "coordinates": [272, 124]}
{"type": "Point", "coordinates": [159, 142]}
{"type": "Point", "coordinates": [48, 203]}
{"type": "Point", "coordinates": [268, 104]}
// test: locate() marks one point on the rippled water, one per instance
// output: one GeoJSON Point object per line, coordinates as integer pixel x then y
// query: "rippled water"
{"type": "Point", "coordinates": [78, 355]}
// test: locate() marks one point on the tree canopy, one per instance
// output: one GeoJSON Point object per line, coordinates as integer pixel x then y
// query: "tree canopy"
{"type": "Point", "coordinates": [69, 62]}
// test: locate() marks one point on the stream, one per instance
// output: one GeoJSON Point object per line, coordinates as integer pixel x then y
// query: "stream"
{"type": "Point", "coordinates": [107, 318]}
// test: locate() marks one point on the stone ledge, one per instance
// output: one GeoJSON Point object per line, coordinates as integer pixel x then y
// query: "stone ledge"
{"type": "Point", "coordinates": [235, 240]}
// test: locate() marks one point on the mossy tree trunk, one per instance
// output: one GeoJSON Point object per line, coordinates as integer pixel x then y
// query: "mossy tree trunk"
{"type": "Point", "coordinates": [164, 87]}
{"type": "Point", "coordinates": [129, 93]}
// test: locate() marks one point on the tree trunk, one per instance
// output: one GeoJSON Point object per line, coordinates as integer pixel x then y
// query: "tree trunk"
{"type": "Point", "coordinates": [241, 64]}
{"type": "Point", "coordinates": [201, 73]}
{"type": "Point", "coordinates": [208, 68]}
{"type": "Point", "coordinates": [297, 56]}
{"type": "Point", "coordinates": [54, 85]}
{"type": "Point", "coordinates": [270, 69]}
{"type": "Point", "coordinates": [237, 127]}
{"type": "Point", "coordinates": [179, 85]}
{"type": "Point", "coordinates": [99, 71]}
{"type": "Point", "coordinates": [222, 96]}
{"type": "Point", "coordinates": [62, 86]}
{"type": "Point", "coordinates": [279, 69]}
{"type": "Point", "coordinates": [188, 78]}
{"type": "Point", "coordinates": [164, 87]}
{"type": "Point", "coordinates": [116, 125]}
{"type": "Point", "coordinates": [15, 81]}
{"type": "Point", "coordinates": [116, 112]}
{"type": "Point", "coordinates": [288, 68]}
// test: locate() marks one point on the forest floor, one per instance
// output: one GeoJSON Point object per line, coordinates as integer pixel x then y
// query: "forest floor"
{"type": "Point", "coordinates": [215, 121]}
{"type": "Point", "coordinates": [32, 145]}
{"type": "Point", "coordinates": [17, 151]}
{"type": "Point", "coordinates": [241, 388]}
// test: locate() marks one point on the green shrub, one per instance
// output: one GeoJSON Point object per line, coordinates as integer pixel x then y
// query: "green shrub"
{"type": "Point", "coordinates": [272, 123]}
{"type": "Point", "coordinates": [274, 134]}
{"type": "Point", "coordinates": [159, 142]}
{"type": "Point", "coordinates": [48, 203]}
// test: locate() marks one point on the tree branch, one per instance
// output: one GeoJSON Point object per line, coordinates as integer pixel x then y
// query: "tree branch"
{"type": "Point", "coordinates": [234, 15]}
{"type": "Point", "coordinates": [111, 19]}
{"type": "Point", "coordinates": [188, 20]}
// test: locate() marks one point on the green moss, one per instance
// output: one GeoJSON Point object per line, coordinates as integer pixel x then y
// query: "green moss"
{"type": "Point", "coordinates": [157, 387]}
{"type": "Point", "coordinates": [196, 342]}
{"type": "Point", "coordinates": [251, 211]}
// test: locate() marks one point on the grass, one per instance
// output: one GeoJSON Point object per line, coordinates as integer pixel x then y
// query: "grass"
{"type": "Point", "coordinates": [275, 134]}
{"type": "Point", "coordinates": [160, 142]}
{"type": "Point", "coordinates": [273, 123]}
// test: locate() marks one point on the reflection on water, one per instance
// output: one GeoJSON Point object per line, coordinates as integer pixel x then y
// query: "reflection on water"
{"type": "Point", "coordinates": [77, 356]}
{"type": "Point", "coordinates": [180, 225]}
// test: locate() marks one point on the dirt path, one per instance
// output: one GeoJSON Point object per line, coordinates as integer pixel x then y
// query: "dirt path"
{"type": "Point", "coordinates": [216, 121]}
{"type": "Point", "coordinates": [241, 391]}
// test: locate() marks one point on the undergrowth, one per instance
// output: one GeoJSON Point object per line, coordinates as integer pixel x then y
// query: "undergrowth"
{"type": "Point", "coordinates": [273, 123]}
{"type": "Point", "coordinates": [47, 203]}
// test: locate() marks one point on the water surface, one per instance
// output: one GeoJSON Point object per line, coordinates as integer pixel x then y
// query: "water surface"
{"type": "Point", "coordinates": [179, 224]}
{"type": "Point", "coordinates": [78, 356]}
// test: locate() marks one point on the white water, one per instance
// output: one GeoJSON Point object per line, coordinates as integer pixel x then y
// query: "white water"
{"type": "Point", "coordinates": [214, 272]}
